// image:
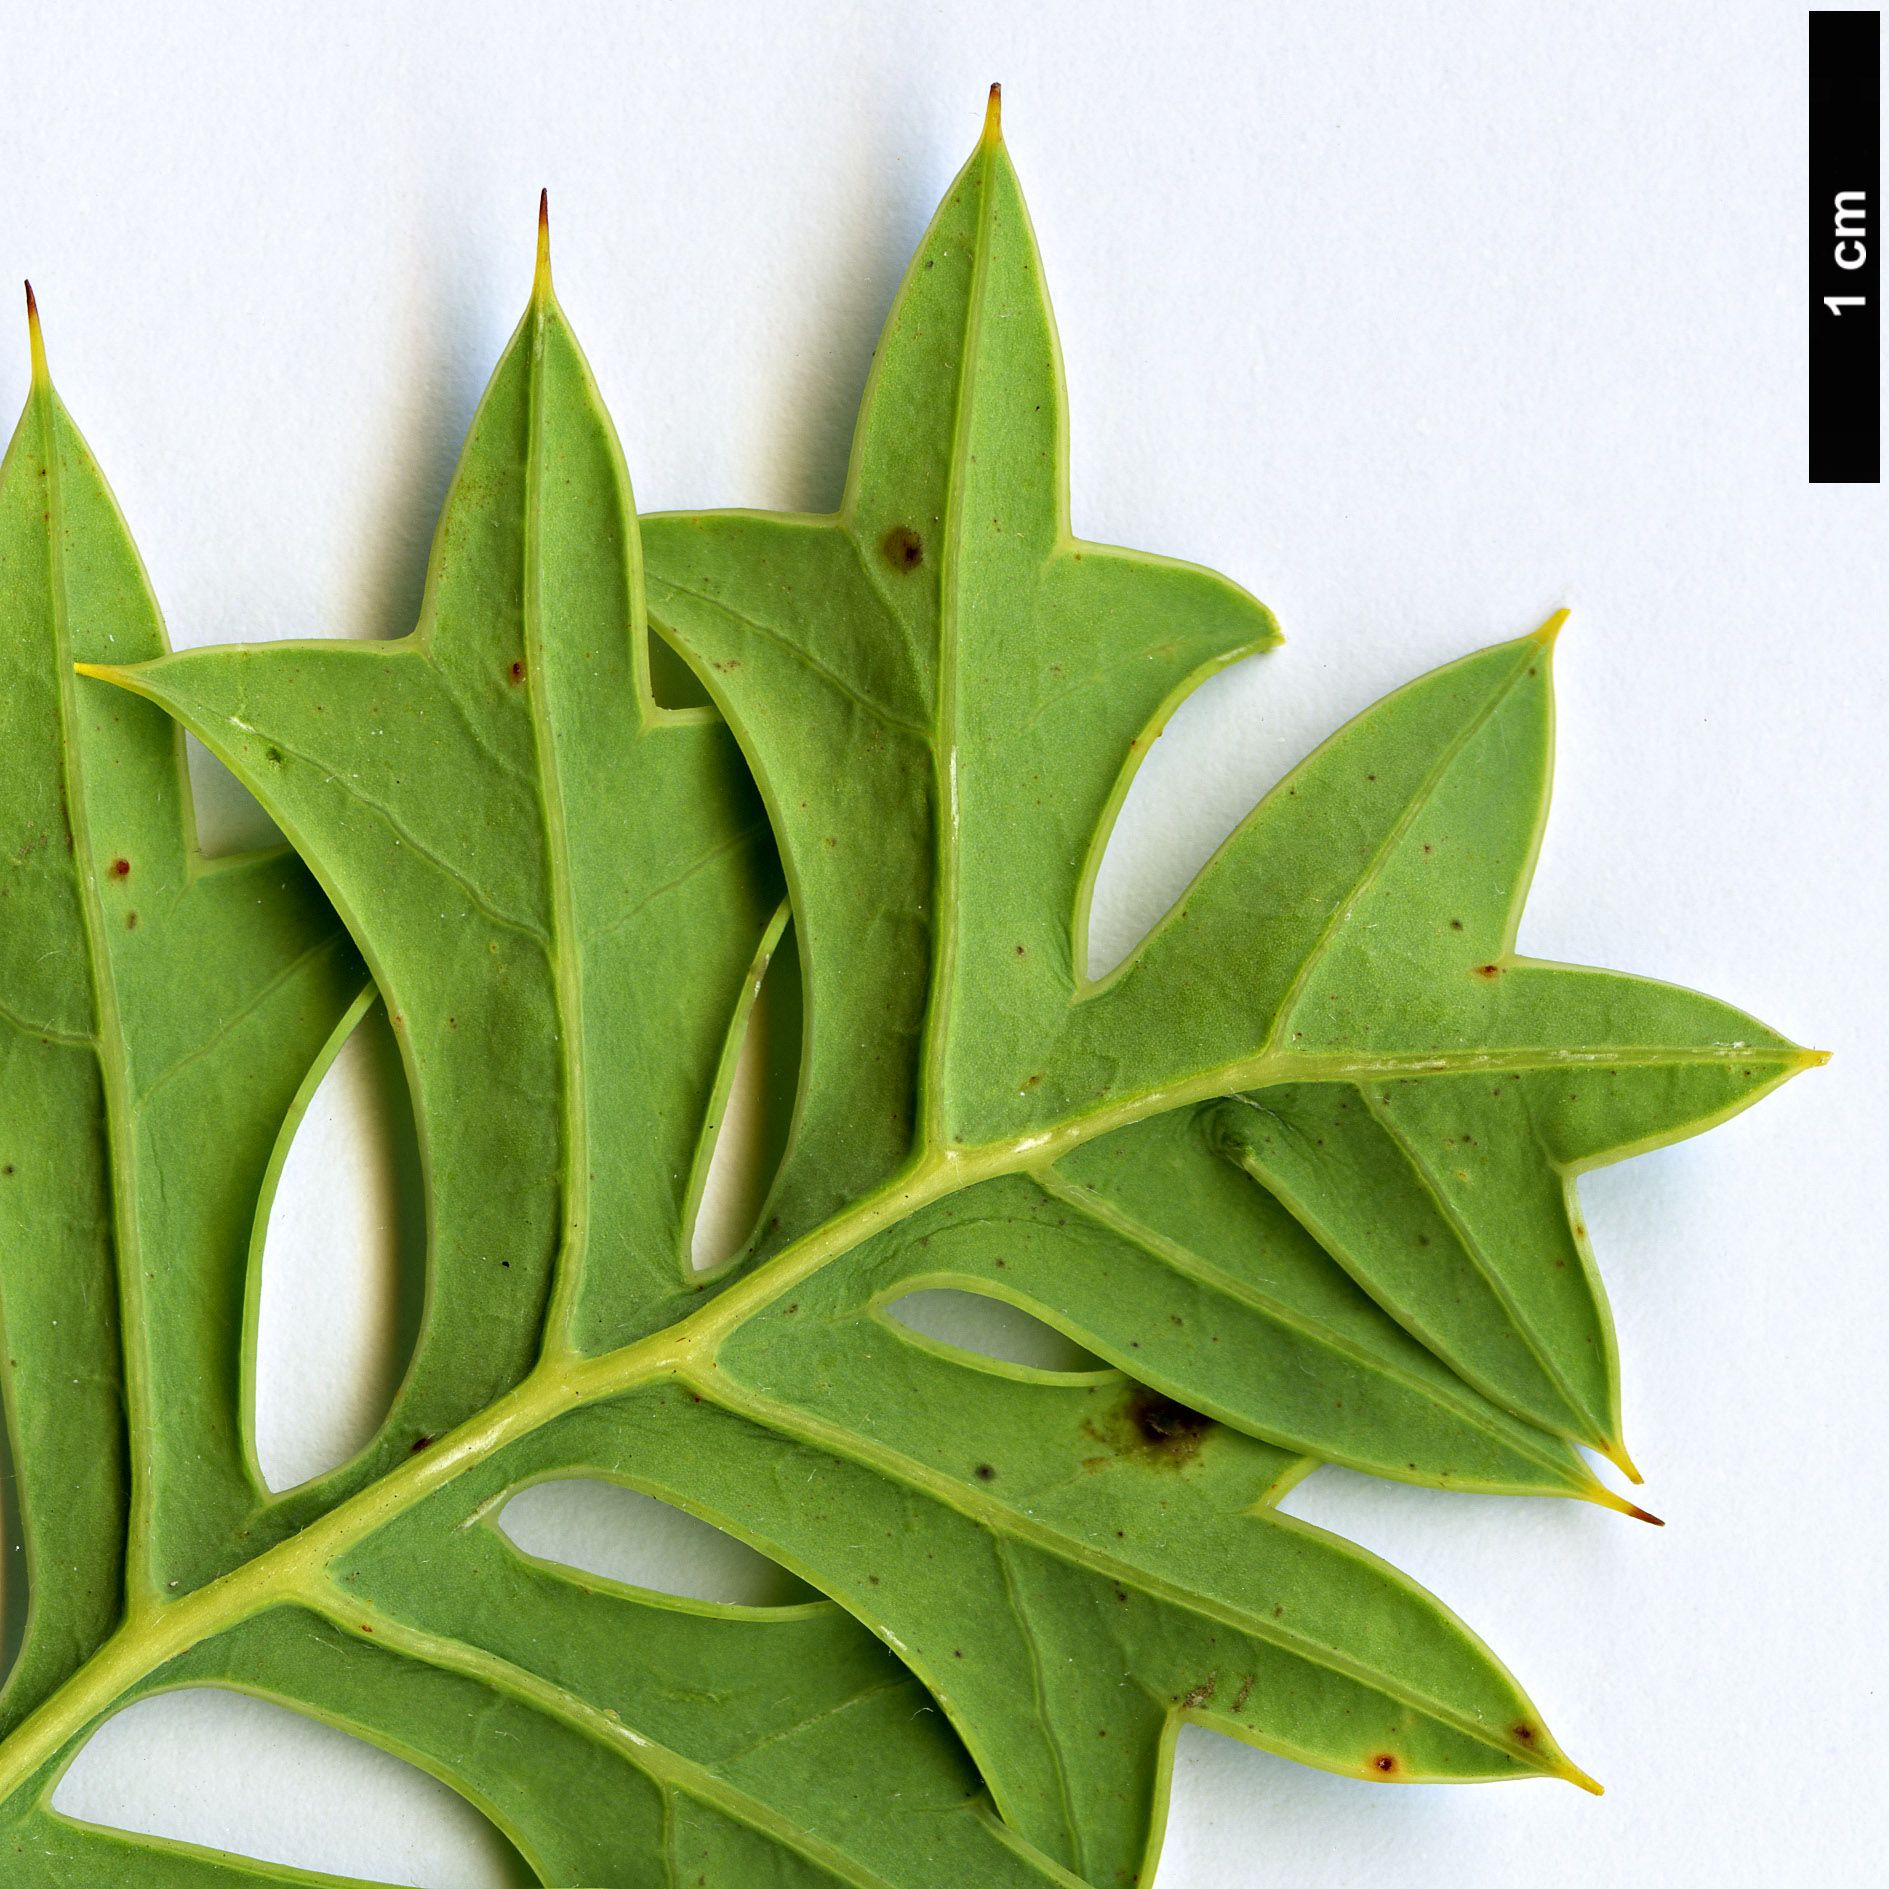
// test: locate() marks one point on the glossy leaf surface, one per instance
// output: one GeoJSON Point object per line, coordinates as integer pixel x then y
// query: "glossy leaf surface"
{"type": "Point", "coordinates": [1299, 1173]}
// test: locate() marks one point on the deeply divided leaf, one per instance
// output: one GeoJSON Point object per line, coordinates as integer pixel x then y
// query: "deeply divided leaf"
{"type": "Point", "coordinates": [1299, 1176]}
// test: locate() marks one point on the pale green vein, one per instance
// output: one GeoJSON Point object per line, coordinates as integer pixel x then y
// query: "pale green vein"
{"type": "Point", "coordinates": [1471, 1411]}
{"type": "Point", "coordinates": [228, 1025]}
{"type": "Point", "coordinates": [45, 1032]}
{"type": "Point", "coordinates": [805, 658]}
{"type": "Point", "coordinates": [1476, 1254]}
{"type": "Point", "coordinates": [361, 798]}
{"type": "Point", "coordinates": [743, 837]}
{"type": "Point", "coordinates": [566, 959]}
{"type": "Point", "coordinates": [1045, 1718]}
{"type": "Point", "coordinates": [113, 1061]}
{"type": "Point", "coordinates": [831, 1439]}
{"type": "Point", "coordinates": [667, 1768]}
{"type": "Point", "coordinates": [1387, 849]}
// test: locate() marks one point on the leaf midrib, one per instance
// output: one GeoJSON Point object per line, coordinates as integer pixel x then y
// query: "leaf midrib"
{"type": "Point", "coordinates": [1389, 846]}
{"type": "Point", "coordinates": [1477, 1254]}
{"type": "Point", "coordinates": [1000, 1520]}
{"type": "Point", "coordinates": [1189, 1265]}
{"type": "Point", "coordinates": [108, 1042]}
{"type": "Point", "coordinates": [565, 960]}
{"type": "Point", "coordinates": [933, 1112]}
{"type": "Point", "coordinates": [661, 1763]}
{"type": "Point", "coordinates": [559, 1386]}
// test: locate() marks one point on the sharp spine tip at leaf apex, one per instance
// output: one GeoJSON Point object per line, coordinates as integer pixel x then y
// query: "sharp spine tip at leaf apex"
{"type": "Point", "coordinates": [541, 282]}
{"type": "Point", "coordinates": [1576, 1776]}
{"type": "Point", "coordinates": [994, 116]}
{"type": "Point", "coordinates": [1550, 632]}
{"type": "Point", "coordinates": [1605, 1498]}
{"type": "Point", "coordinates": [35, 340]}
{"type": "Point", "coordinates": [1616, 1453]}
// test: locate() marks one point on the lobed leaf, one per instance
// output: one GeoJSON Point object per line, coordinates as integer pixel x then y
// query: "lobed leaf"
{"type": "Point", "coordinates": [1300, 1172]}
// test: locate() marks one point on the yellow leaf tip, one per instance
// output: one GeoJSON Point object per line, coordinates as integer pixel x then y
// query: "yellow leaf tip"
{"type": "Point", "coordinates": [1616, 1453]}
{"type": "Point", "coordinates": [994, 116]}
{"type": "Point", "coordinates": [541, 281]}
{"type": "Point", "coordinates": [1812, 1058]}
{"type": "Point", "coordinates": [1603, 1497]}
{"type": "Point", "coordinates": [1576, 1776]}
{"type": "Point", "coordinates": [1550, 630]}
{"type": "Point", "coordinates": [34, 339]}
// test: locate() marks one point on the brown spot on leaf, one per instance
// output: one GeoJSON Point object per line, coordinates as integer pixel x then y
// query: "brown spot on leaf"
{"type": "Point", "coordinates": [517, 672]}
{"type": "Point", "coordinates": [1488, 970]}
{"type": "Point", "coordinates": [1456, 924]}
{"type": "Point", "coordinates": [904, 549]}
{"type": "Point", "coordinates": [985, 1473]}
{"type": "Point", "coordinates": [1165, 1428]}
{"type": "Point", "coordinates": [1200, 1694]}
{"type": "Point", "coordinates": [119, 869]}
{"type": "Point", "coordinates": [1384, 1762]}
{"type": "Point", "coordinates": [131, 921]}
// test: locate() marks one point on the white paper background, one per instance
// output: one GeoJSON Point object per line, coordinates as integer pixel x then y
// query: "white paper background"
{"type": "Point", "coordinates": [1420, 320]}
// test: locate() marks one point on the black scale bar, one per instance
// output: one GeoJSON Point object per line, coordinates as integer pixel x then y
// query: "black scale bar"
{"type": "Point", "coordinates": [1846, 240]}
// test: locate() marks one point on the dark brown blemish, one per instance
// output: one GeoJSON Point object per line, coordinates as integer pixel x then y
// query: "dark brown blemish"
{"type": "Point", "coordinates": [1168, 1428]}
{"type": "Point", "coordinates": [1384, 1762]}
{"type": "Point", "coordinates": [1526, 1733]}
{"type": "Point", "coordinates": [518, 672]}
{"type": "Point", "coordinates": [1200, 1694]}
{"type": "Point", "coordinates": [119, 869]}
{"type": "Point", "coordinates": [420, 1443]}
{"type": "Point", "coordinates": [985, 1473]}
{"type": "Point", "coordinates": [904, 549]}
{"type": "Point", "coordinates": [1246, 1686]}
{"type": "Point", "coordinates": [1456, 924]}
{"type": "Point", "coordinates": [1488, 970]}
{"type": "Point", "coordinates": [131, 921]}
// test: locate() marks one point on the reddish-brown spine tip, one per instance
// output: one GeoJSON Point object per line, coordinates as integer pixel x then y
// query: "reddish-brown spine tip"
{"type": "Point", "coordinates": [34, 339]}
{"type": "Point", "coordinates": [994, 116]}
{"type": "Point", "coordinates": [1640, 1515]}
{"type": "Point", "coordinates": [541, 282]}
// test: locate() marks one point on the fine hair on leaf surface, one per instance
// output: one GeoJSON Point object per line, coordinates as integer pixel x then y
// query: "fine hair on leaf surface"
{"type": "Point", "coordinates": [1296, 1182]}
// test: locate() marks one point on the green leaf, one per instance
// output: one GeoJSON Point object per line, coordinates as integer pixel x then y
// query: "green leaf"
{"type": "Point", "coordinates": [1296, 1172]}
{"type": "Point", "coordinates": [158, 1011]}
